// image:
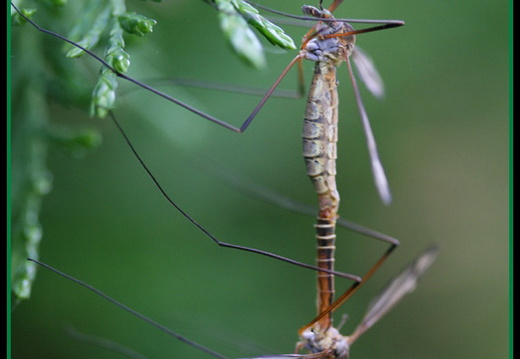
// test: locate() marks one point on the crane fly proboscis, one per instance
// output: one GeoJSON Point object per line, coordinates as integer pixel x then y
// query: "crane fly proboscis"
{"type": "Point", "coordinates": [395, 291]}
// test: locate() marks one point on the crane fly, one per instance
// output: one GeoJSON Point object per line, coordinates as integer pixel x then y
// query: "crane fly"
{"type": "Point", "coordinates": [328, 43]}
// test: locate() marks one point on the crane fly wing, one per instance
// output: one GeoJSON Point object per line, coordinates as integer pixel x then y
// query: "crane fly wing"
{"type": "Point", "coordinates": [368, 73]}
{"type": "Point", "coordinates": [394, 291]}
{"type": "Point", "coordinates": [378, 171]}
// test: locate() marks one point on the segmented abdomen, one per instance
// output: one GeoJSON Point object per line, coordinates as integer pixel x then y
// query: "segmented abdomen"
{"type": "Point", "coordinates": [320, 135]}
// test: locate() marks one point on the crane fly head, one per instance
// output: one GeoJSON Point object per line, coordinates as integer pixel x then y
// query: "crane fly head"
{"type": "Point", "coordinates": [319, 340]}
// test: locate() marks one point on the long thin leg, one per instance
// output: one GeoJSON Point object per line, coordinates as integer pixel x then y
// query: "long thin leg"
{"type": "Point", "coordinates": [306, 18]}
{"type": "Point", "coordinates": [213, 119]}
{"type": "Point", "coordinates": [111, 345]}
{"type": "Point", "coordinates": [131, 311]}
{"type": "Point", "coordinates": [334, 5]}
{"type": "Point", "coordinates": [388, 25]}
{"type": "Point", "coordinates": [206, 232]}
{"type": "Point", "coordinates": [269, 92]}
{"type": "Point", "coordinates": [353, 289]}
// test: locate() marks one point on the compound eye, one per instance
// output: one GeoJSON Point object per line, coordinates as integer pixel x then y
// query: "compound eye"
{"type": "Point", "coordinates": [311, 11]}
{"type": "Point", "coordinates": [315, 12]}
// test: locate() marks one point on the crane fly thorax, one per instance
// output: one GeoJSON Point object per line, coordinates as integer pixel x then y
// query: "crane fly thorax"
{"type": "Point", "coordinates": [316, 340]}
{"type": "Point", "coordinates": [321, 48]}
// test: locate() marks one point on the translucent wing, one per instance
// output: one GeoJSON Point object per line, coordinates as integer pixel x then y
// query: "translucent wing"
{"type": "Point", "coordinates": [368, 73]}
{"type": "Point", "coordinates": [377, 167]}
{"type": "Point", "coordinates": [401, 285]}
{"type": "Point", "coordinates": [240, 183]}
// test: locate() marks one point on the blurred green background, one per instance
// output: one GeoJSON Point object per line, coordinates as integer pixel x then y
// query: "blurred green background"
{"type": "Point", "coordinates": [442, 130]}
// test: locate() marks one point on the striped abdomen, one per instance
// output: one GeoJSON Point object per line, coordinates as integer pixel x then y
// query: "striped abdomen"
{"type": "Point", "coordinates": [320, 135]}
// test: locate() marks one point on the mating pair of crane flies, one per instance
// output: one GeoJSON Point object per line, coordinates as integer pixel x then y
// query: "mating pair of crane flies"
{"type": "Point", "coordinates": [329, 43]}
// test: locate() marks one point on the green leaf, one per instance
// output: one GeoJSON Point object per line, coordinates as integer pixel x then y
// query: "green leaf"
{"type": "Point", "coordinates": [101, 17]}
{"type": "Point", "coordinates": [104, 94]}
{"type": "Point", "coordinates": [96, 25]}
{"type": "Point", "coordinates": [242, 40]}
{"type": "Point", "coordinates": [17, 19]}
{"type": "Point", "coordinates": [30, 177]}
{"type": "Point", "coordinates": [88, 31]}
{"type": "Point", "coordinates": [273, 33]}
{"type": "Point", "coordinates": [116, 56]}
{"type": "Point", "coordinates": [235, 16]}
{"type": "Point", "coordinates": [136, 24]}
